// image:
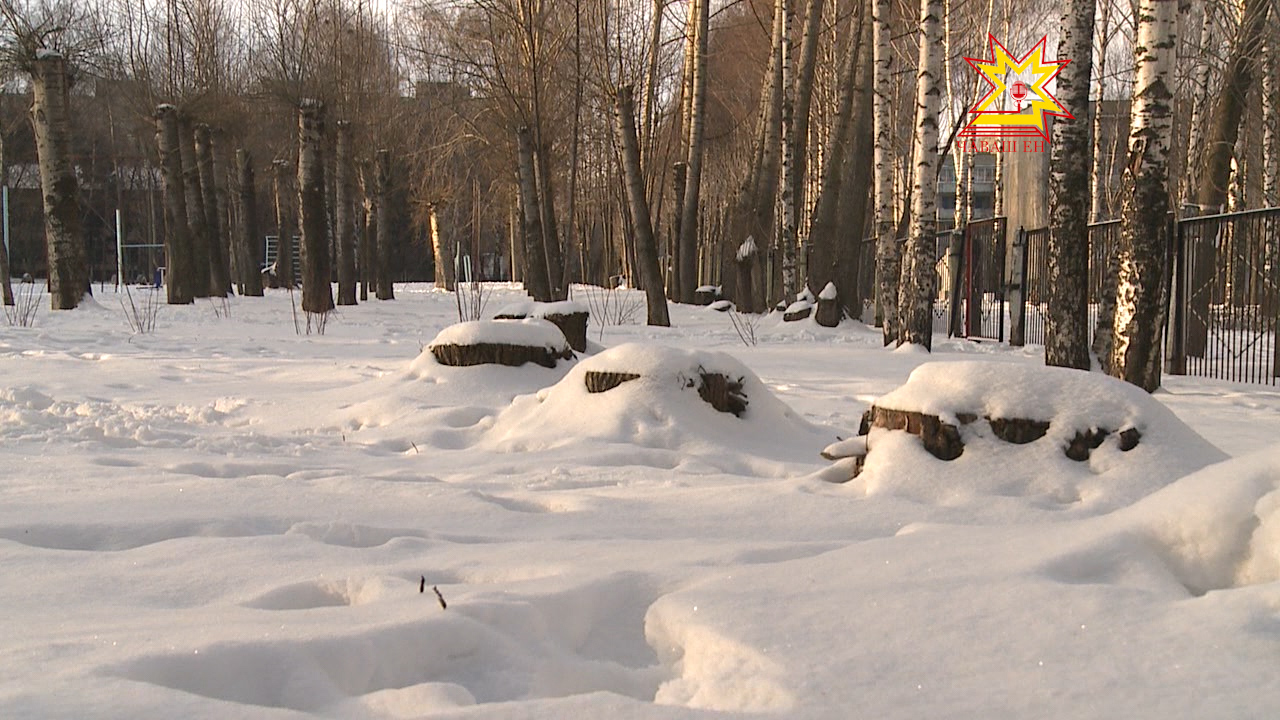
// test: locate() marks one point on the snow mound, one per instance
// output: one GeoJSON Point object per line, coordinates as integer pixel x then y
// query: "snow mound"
{"type": "Point", "coordinates": [1218, 528]}
{"type": "Point", "coordinates": [528, 333]}
{"type": "Point", "coordinates": [1008, 429]}
{"type": "Point", "coordinates": [652, 396]}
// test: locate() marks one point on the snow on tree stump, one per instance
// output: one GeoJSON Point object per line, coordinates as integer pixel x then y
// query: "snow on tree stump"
{"type": "Point", "coordinates": [706, 295]}
{"type": "Point", "coordinates": [721, 306]}
{"type": "Point", "coordinates": [800, 309]}
{"type": "Point", "coordinates": [718, 390]}
{"type": "Point", "coordinates": [570, 317]}
{"type": "Point", "coordinates": [501, 342]}
{"type": "Point", "coordinates": [598, 382]}
{"type": "Point", "coordinates": [940, 431]}
{"type": "Point", "coordinates": [828, 311]}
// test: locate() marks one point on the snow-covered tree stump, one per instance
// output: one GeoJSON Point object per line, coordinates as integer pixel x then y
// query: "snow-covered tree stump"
{"type": "Point", "coordinates": [501, 342]}
{"type": "Point", "coordinates": [800, 309]}
{"type": "Point", "coordinates": [828, 309]}
{"type": "Point", "coordinates": [570, 317]}
{"type": "Point", "coordinates": [706, 295]}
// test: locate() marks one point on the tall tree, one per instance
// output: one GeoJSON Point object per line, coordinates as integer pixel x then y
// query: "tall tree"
{"type": "Point", "coordinates": [344, 223]}
{"type": "Point", "coordinates": [915, 295]}
{"type": "Point", "coordinates": [64, 236]}
{"type": "Point", "coordinates": [197, 223]}
{"type": "Point", "coordinates": [888, 253]}
{"type": "Point", "coordinates": [688, 241]}
{"type": "Point", "coordinates": [219, 270]}
{"type": "Point", "coordinates": [385, 288]}
{"type": "Point", "coordinates": [646, 247]}
{"type": "Point", "coordinates": [248, 240]}
{"type": "Point", "coordinates": [1140, 297]}
{"type": "Point", "coordinates": [317, 293]}
{"type": "Point", "coordinates": [284, 223]}
{"type": "Point", "coordinates": [536, 278]}
{"type": "Point", "coordinates": [180, 261]}
{"type": "Point", "coordinates": [1067, 335]}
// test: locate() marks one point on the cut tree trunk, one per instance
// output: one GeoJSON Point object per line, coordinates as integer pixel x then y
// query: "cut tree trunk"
{"type": "Point", "coordinates": [344, 223]}
{"type": "Point", "coordinates": [443, 252]}
{"type": "Point", "coordinates": [197, 220]}
{"type": "Point", "coordinates": [384, 288]}
{"type": "Point", "coordinates": [179, 261]}
{"type": "Point", "coordinates": [1066, 341]}
{"type": "Point", "coordinates": [64, 236]}
{"type": "Point", "coordinates": [219, 268]}
{"type": "Point", "coordinates": [284, 224]}
{"type": "Point", "coordinates": [1140, 297]}
{"type": "Point", "coordinates": [537, 281]}
{"type": "Point", "coordinates": [646, 247]}
{"type": "Point", "coordinates": [248, 240]}
{"type": "Point", "coordinates": [317, 293]}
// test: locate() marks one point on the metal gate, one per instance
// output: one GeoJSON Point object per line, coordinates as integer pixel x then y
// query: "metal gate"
{"type": "Point", "coordinates": [981, 286]}
{"type": "Point", "coordinates": [1226, 296]}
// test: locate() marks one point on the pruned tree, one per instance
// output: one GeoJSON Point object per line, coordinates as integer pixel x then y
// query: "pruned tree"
{"type": "Point", "coordinates": [317, 293]}
{"type": "Point", "coordinates": [1140, 297]}
{"type": "Point", "coordinates": [383, 180]}
{"type": "Point", "coordinates": [180, 282]}
{"type": "Point", "coordinates": [247, 239]}
{"type": "Point", "coordinates": [344, 223]}
{"type": "Point", "coordinates": [219, 269]}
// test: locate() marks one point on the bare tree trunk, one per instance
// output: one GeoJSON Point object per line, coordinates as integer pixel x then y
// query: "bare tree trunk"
{"type": "Point", "coordinates": [915, 296]}
{"type": "Point", "coordinates": [1099, 173]}
{"type": "Point", "coordinates": [222, 206]}
{"type": "Point", "coordinates": [537, 279]}
{"type": "Point", "coordinates": [284, 225]}
{"type": "Point", "coordinates": [801, 117]}
{"type": "Point", "coordinates": [1067, 335]}
{"type": "Point", "coordinates": [828, 244]}
{"type": "Point", "coordinates": [317, 293]}
{"type": "Point", "coordinates": [64, 235]}
{"type": "Point", "coordinates": [368, 228]}
{"type": "Point", "coordinates": [786, 239]}
{"type": "Point", "coordinates": [250, 240]}
{"type": "Point", "coordinates": [688, 242]}
{"type": "Point", "coordinates": [1219, 148]}
{"type": "Point", "coordinates": [646, 248]}
{"type": "Point", "coordinates": [384, 287]}
{"type": "Point", "coordinates": [888, 254]}
{"type": "Point", "coordinates": [6, 288]}
{"type": "Point", "coordinates": [219, 273]}
{"type": "Point", "coordinates": [196, 223]}
{"type": "Point", "coordinates": [1271, 120]}
{"type": "Point", "coordinates": [180, 263]}
{"type": "Point", "coordinates": [1140, 297]}
{"type": "Point", "coordinates": [443, 252]}
{"type": "Point", "coordinates": [855, 201]}
{"type": "Point", "coordinates": [344, 207]}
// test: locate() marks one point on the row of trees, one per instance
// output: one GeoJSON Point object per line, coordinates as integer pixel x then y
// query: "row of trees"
{"type": "Point", "coordinates": [765, 146]}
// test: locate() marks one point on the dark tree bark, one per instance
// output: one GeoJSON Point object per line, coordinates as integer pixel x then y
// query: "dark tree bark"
{"type": "Point", "coordinates": [219, 272]}
{"type": "Point", "coordinates": [249, 240]}
{"type": "Point", "coordinates": [646, 248]}
{"type": "Point", "coordinates": [1067, 335]}
{"type": "Point", "coordinates": [221, 152]}
{"type": "Point", "coordinates": [537, 281]}
{"type": "Point", "coordinates": [385, 288]}
{"type": "Point", "coordinates": [284, 223]}
{"type": "Point", "coordinates": [557, 277]}
{"type": "Point", "coordinates": [317, 293]}
{"type": "Point", "coordinates": [344, 225]}
{"type": "Point", "coordinates": [368, 229]}
{"type": "Point", "coordinates": [180, 263]}
{"type": "Point", "coordinates": [197, 224]}
{"type": "Point", "coordinates": [64, 236]}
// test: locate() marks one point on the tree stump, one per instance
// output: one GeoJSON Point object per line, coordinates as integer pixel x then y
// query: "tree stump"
{"type": "Point", "coordinates": [796, 312]}
{"type": "Point", "coordinates": [598, 382]}
{"type": "Point", "coordinates": [573, 325]}
{"type": "Point", "coordinates": [828, 312]}
{"type": "Point", "coordinates": [706, 295]}
{"type": "Point", "coordinates": [497, 354]}
{"type": "Point", "coordinates": [722, 393]}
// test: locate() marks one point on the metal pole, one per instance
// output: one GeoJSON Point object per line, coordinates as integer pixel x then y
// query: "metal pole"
{"type": "Point", "coordinates": [119, 251]}
{"type": "Point", "coordinates": [4, 199]}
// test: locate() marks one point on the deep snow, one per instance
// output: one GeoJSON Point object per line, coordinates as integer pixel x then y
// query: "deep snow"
{"type": "Point", "coordinates": [224, 519]}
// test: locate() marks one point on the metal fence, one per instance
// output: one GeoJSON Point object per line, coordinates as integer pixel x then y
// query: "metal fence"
{"type": "Point", "coordinates": [1104, 238]}
{"type": "Point", "coordinates": [1226, 297]}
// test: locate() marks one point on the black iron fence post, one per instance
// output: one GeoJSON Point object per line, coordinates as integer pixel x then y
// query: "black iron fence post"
{"type": "Point", "coordinates": [1014, 291]}
{"type": "Point", "coordinates": [1176, 336]}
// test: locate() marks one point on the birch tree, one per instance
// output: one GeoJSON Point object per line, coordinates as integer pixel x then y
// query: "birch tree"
{"type": "Point", "coordinates": [1067, 335]}
{"type": "Point", "coordinates": [916, 291]}
{"type": "Point", "coordinates": [688, 241]}
{"type": "Point", "coordinates": [1140, 296]}
{"type": "Point", "coordinates": [888, 254]}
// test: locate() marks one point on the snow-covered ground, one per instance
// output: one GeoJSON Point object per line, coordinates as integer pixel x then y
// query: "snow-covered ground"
{"type": "Point", "coordinates": [225, 519]}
